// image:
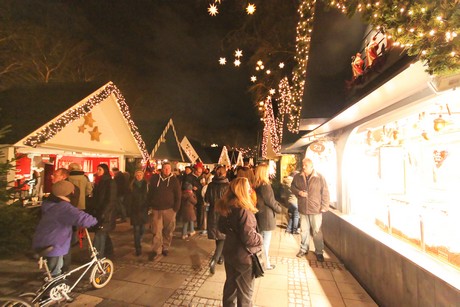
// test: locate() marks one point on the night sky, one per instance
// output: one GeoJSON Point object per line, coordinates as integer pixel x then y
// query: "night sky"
{"type": "Point", "coordinates": [163, 55]}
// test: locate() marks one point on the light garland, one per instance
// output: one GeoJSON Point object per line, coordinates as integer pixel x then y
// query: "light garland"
{"type": "Point", "coordinates": [73, 114]}
{"type": "Point", "coordinates": [270, 129]}
{"type": "Point", "coordinates": [304, 28]}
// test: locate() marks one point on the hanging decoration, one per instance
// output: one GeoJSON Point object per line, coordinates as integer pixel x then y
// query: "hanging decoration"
{"type": "Point", "coordinates": [52, 128]}
{"type": "Point", "coordinates": [427, 29]}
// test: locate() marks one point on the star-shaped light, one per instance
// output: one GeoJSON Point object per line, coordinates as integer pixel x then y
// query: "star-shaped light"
{"type": "Point", "coordinates": [212, 9]}
{"type": "Point", "coordinates": [281, 65]}
{"type": "Point", "coordinates": [81, 128]}
{"type": "Point", "coordinates": [89, 120]}
{"type": "Point", "coordinates": [238, 53]}
{"type": "Point", "coordinates": [272, 91]}
{"type": "Point", "coordinates": [237, 62]}
{"type": "Point", "coordinates": [222, 61]}
{"type": "Point", "coordinates": [95, 134]}
{"type": "Point", "coordinates": [250, 9]}
{"type": "Point", "coordinates": [253, 78]}
{"type": "Point", "coordinates": [268, 71]}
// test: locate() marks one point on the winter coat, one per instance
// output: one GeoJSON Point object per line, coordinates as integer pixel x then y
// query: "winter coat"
{"type": "Point", "coordinates": [164, 193]}
{"type": "Point", "coordinates": [188, 202]}
{"type": "Point", "coordinates": [55, 225]}
{"type": "Point", "coordinates": [268, 206]}
{"type": "Point", "coordinates": [104, 202]}
{"type": "Point", "coordinates": [240, 229]}
{"type": "Point", "coordinates": [215, 190]}
{"type": "Point", "coordinates": [79, 179]}
{"type": "Point", "coordinates": [122, 185]}
{"type": "Point", "coordinates": [318, 193]}
{"type": "Point", "coordinates": [137, 199]}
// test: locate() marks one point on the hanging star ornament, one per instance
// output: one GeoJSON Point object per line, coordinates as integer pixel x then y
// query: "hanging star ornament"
{"type": "Point", "coordinates": [222, 61]}
{"type": "Point", "coordinates": [95, 134]}
{"type": "Point", "coordinates": [237, 63]}
{"type": "Point", "coordinates": [81, 129]}
{"type": "Point", "coordinates": [253, 78]}
{"type": "Point", "coordinates": [281, 65]}
{"type": "Point", "coordinates": [238, 53]}
{"type": "Point", "coordinates": [272, 91]}
{"type": "Point", "coordinates": [250, 9]}
{"type": "Point", "coordinates": [212, 9]}
{"type": "Point", "coordinates": [89, 119]}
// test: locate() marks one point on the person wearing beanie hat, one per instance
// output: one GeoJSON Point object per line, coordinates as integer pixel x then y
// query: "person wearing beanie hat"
{"type": "Point", "coordinates": [55, 225]}
{"type": "Point", "coordinates": [79, 179]}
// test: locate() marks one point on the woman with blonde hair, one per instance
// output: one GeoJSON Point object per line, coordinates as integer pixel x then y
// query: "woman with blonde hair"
{"type": "Point", "coordinates": [268, 206]}
{"type": "Point", "coordinates": [238, 222]}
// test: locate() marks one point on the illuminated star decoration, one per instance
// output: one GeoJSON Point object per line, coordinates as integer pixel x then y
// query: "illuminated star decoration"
{"type": "Point", "coordinates": [281, 65]}
{"type": "Point", "coordinates": [238, 53]}
{"type": "Point", "coordinates": [89, 119]}
{"type": "Point", "coordinates": [237, 63]}
{"type": "Point", "coordinates": [272, 91]}
{"type": "Point", "coordinates": [253, 78]}
{"type": "Point", "coordinates": [250, 9]}
{"type": "Point", "coordinates": [81, 128]}
{"type": "Point", "coordinates": [222, 61]}
{"type": "Point", "coordinates": [95, 134]}
{"type": "Point", "coordinates": [212, 9]}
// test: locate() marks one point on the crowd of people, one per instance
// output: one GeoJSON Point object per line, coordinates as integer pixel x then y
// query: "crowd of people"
{"type": "Point", "coordinates": [235, 208]}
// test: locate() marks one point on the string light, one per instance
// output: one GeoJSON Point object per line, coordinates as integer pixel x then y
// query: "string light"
{"type": "Point", "coordinates": [270, 131]}
{"type": "Point", "coordinates": [72, 114]}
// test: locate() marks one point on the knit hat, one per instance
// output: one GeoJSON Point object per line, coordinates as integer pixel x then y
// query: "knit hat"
{"type": "Point", "coordinates": [74, 167]}
{"type": "Point", "coordinates": [187, 186]}
{"type": "Point", "coordinates": [62, 188]}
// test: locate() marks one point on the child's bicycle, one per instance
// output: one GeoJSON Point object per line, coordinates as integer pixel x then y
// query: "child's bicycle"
{"type": "Point", "coordinates": [57, 289]}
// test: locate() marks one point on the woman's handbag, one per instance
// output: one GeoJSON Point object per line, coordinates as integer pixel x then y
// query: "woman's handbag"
{"type": "Point", "coordinates": [257, 263]}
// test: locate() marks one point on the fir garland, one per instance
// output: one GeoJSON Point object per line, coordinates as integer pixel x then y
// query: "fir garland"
{"type": "Point", "coordinates": [427, 29]}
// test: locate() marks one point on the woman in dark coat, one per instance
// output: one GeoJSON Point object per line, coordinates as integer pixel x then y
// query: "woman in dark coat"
{"type": "Point", "coordinates": [268, 206]}
{"type": "Point", "coordinates": [138, 208]}
{"type": "Point", "coordinates": [215, 190]}
{"type": "Point", "coordinates": [104, 202]}
{"type": "Point", "coordinates": [239, 224]}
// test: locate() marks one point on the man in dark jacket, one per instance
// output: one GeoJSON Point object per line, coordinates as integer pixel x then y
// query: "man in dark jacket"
{"type": "Point", "coordinates": [164, 198]}
{"type": "Point", "coordinates": [312, 194]}
{"type": "Point", "coordinates": [122, 187]}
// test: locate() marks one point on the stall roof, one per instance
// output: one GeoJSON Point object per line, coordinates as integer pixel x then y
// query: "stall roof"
{"type": "Point", "coordinates": [47, 117]}
{"type": "Point", "coordinates": [167, 146]}
{"type": "Point", "coordinates": [409, 82]}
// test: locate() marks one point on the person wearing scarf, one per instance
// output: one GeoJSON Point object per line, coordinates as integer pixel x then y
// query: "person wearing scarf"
{"type": "Point", "coordinates": [164, 198]}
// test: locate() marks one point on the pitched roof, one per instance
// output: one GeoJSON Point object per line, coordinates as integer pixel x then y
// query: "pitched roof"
{"type": "Point", "coordinates": [48, 117]}
{"type": "Point", "coordinates": [167, 145]}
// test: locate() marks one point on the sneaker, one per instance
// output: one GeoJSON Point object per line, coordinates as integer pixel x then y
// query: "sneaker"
{"type": "Point", "coordinates": [320, 257]}
{"type": "Point", "coordinates": [301, 254]}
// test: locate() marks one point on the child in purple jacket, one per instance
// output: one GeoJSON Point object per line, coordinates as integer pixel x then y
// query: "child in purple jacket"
{"type": "Point", "coordinates": [55, 226]}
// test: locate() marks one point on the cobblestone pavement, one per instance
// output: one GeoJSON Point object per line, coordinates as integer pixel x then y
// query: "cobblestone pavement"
{"type": "Point", "coordinates": [183, 278]}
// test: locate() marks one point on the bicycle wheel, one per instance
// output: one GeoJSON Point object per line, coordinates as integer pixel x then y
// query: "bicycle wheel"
{"type": "Point", "coordinates": [100, 278]}
{"type": "Point", "coordinates": [13, 302]}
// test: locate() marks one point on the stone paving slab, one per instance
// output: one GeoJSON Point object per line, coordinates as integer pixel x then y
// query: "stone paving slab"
{"type": "Point", "coordinates": [183, 278]}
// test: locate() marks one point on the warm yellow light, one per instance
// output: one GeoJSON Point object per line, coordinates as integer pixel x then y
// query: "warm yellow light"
{"type": "Point", "coordinates": [250, 9]}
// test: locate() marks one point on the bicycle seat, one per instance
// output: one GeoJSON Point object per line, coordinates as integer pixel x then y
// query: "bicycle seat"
{"type": "Point", "coordinates": [43, 251]}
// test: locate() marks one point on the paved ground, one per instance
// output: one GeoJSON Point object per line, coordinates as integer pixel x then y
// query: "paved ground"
{"type": "Point", "coordinates": [183, 279]}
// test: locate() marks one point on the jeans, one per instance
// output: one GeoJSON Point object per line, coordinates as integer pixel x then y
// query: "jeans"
{"type": "Point", "coordinates": [103, 243]}
{"type": "Point", "coordinates": [121, 210]}
{"type": "Point", "coordinates": [294, 217]}
{"type": "Point", "coordinates": [267, 235]}
{"type": "Point", "coordinates": [55, 264]}
{"type": "Point", "coordinates": [138, 231]}
{"type": "Point", "coordinates": [186, 226]}
{"type": "Point", "coordinates": [314, 222]}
